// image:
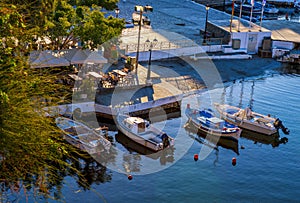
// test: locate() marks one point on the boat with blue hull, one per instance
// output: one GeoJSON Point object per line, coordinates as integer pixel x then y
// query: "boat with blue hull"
{"type": "Point", "coordinates": [206, 122]}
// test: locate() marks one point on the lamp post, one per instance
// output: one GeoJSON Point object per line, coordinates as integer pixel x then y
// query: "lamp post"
{"type": "Point", "coordinates": [140, 9]}
{"type": "Point", "coordinates": [151, 45]}
{"type": "Point", "coordinates": [117, 11]}
{"type": "Point", "coordinates": [205, 30]}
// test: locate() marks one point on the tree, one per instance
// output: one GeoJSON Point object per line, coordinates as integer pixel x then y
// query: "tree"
{"type": "Point", "coordinates": [31, 148]}
{"type": "Point", "coordinates": [67, 25]}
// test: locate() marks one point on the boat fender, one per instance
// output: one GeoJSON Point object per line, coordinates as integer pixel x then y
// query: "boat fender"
{"type": "Point", "coordinates": [129, 177]}
{"type": "Point", "coordinates": [196, 157]}
{"type": "Point", "coordinates": [233, 161]}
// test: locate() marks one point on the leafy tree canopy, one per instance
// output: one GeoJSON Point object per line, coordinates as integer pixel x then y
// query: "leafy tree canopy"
{"type": "Point", "coordinates": [31, 150]}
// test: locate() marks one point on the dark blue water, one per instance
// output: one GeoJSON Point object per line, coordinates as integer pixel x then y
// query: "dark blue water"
{"type": "Point", "coordinates": [263, 173]}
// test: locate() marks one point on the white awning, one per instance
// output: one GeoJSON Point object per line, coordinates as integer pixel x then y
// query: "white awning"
{"type": "Point", "coordinates": [95, 75]}
{"type": "Point", "coordinates": [48, 59]}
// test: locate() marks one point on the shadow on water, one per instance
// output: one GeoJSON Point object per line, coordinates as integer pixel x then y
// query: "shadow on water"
{"type": "Point", "coordinates": [291, 68]}
{"type": "Point", "coordinates": [273, 140]}
{"type": "Point", "coordinates": [164, 156]}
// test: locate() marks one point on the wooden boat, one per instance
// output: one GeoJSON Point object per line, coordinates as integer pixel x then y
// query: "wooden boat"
{"type": "Point", "coordinates": [268, 8]}
{"type": "Point", "coordinates": [83, 137]}
{"type": "Point", "coordinates": [211, 141]}
{"type": "Point", "coordinates": [205, 121]}
{"type": "Point", "coordinates": [143, 133]}
{"type": "Point", "coordinates": [249, 120]}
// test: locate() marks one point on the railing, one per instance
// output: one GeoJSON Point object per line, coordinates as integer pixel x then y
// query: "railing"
{"type": "Point", "coordinates": [166, 45]}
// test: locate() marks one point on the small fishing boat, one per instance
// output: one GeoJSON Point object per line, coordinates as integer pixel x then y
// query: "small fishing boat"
{"type": "Point", "coordinates": [245, 118]}
{"type": "Point", "coordinates": [268, 8]}
{"type": "Point", "coordinates": [83, 137]}
{"type": "Point", "coordinates": [211, 141]}
{"type": "Point", "coordinates": [143, 133]}
{"type": "Point", "coordinates": [206, 122]}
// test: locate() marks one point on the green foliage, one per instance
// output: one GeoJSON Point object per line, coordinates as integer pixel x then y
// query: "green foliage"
{"type": "Point", "coordinates": [32, 152]}
{"type": "Point", "coordinates": [109, 5]}
{"type": "Point", "coordinates": [96, 29]}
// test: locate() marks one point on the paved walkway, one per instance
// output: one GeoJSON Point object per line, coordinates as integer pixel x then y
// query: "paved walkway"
{"type": "Point", "coordinates": [181, 16]}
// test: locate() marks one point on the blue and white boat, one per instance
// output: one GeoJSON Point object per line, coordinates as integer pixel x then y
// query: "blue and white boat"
{"type": "Point", "coordinates": [268, 8]}
{"type": "Point", "coordinates": [83, 137]}
{"type": "Point", "coordinates": [206, 122]}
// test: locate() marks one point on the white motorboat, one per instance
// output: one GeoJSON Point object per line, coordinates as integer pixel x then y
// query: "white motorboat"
{"type": "Point", "coordinates": [142, 132]}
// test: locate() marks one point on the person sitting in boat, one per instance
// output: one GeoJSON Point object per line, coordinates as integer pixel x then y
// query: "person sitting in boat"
{"type": "Point", "coordinates": [248, 113]}
{"type": "Point", "coordinates": [244, 113]}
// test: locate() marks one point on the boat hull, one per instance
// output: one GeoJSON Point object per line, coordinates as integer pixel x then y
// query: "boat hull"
{"type": "Point", "coordinates": [153, 146]}
{"type": "Point", "coordinates": [233, 136]}
{"type": "Point", "coordinates": [82, 137]}
{"type": "Point", "coordinates": [250, 125]}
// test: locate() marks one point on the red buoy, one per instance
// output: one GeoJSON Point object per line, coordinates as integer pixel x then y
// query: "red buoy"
{"type": "Point", "coordinates": [129, 177]}
{"type": "Point", "coordinates": [196, 157]}
{"type": "Point", "coordinates": [233, 161]}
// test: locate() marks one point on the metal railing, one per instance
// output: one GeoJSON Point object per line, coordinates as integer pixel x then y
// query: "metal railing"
{"type": "Point", "coordinates": [166, 45]}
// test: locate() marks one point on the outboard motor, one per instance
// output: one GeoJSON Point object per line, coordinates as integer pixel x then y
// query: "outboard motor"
{"type": "Point", "coordinates": [165, 140]}
{"type": "Point", "coordinates": [278, 125]}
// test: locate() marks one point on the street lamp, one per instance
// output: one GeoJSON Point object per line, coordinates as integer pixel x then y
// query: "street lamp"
{"type": "Point", "coordinates": [205, 30]}
{"type": "Point", "coordinates": [117, 11]}
{"type": "Point", "coordinates": [140, 9]}
{"type": "Point", "coordinates": [151, 45]}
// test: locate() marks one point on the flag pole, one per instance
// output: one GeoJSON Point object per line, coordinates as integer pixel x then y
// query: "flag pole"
{"type": "Point", "coordinates": [232, 13]}
{"type": "Point", "coordinates": [252, 4]}
{"type": "Point", "coordinates": [262, 13]}
{"type": "Point", "coordinates": [240, 16]}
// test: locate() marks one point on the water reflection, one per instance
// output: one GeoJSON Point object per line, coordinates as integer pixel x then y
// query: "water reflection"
{"type": "Point", "coordinates": [91, 172]}
{"type": "Point", "coordinates": [50, 182]}
{"type": "Point", "coordinates": [273, 140]}
{"type": "Point", "coordinates": [291, 68]}
{"type": "Point", "coordinates": [164, 156]}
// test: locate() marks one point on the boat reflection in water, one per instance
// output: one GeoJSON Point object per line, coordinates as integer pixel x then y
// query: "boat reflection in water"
{"type": "Point", "coordinates": [165, 156]}
{"type": "Point", "coordinates": [211, 140]}
{"type": "Point", "coordinates": [273, 140]}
